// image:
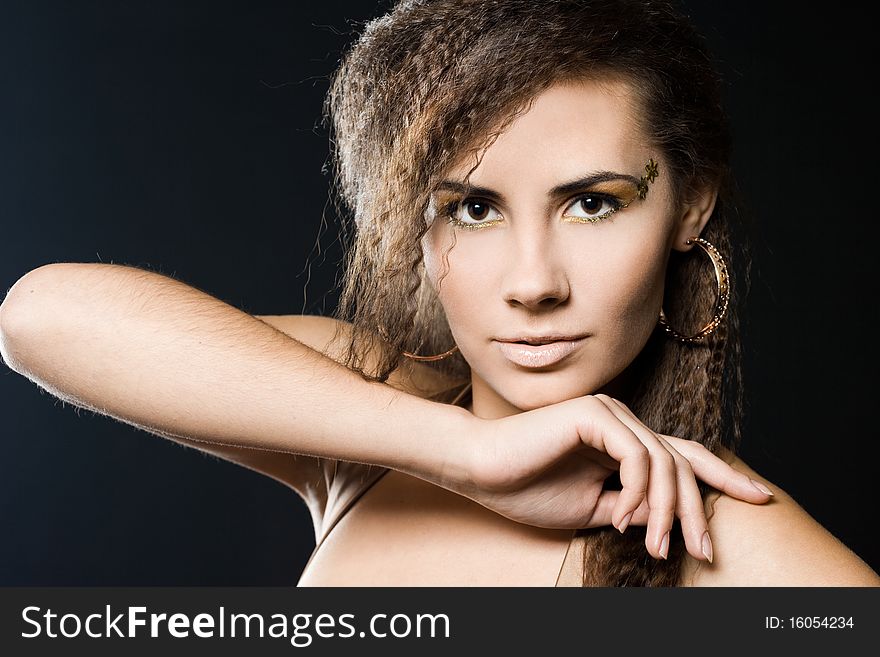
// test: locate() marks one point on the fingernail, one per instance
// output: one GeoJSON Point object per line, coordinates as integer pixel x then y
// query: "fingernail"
{"type": "Point", "coordinates": [707, 546]}
{"type": "Point", "coordinates": [761, 487]}
{"type": "Point", "coordinates": [664, 545]}
{"type": "Point", "coordinates": [625, 522]}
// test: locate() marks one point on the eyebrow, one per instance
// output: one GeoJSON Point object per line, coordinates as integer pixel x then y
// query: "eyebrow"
{"type": "Point", "coordinates": [560, 190]}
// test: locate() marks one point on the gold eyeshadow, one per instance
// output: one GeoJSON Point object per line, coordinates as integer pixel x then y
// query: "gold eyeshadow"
{"type": "Point", "coordinates": [618, 192]}
{"type": "Point", "coordinates": [625, 190]}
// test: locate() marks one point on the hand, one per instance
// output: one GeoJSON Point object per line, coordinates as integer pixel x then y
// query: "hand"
{"type": "Point", "coordinates": [546, 468]}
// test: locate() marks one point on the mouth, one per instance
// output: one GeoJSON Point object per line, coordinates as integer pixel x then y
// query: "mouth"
{"type": "Point", "coordinates": [545, 338]}
{"type": "Point", "coordinates": [541, 352]}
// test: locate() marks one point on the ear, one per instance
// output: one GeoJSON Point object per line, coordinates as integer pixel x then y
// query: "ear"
{"type": "Point", "coordinates": [692, 217]}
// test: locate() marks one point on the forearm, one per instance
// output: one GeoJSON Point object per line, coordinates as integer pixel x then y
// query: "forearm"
{"type": "Point", "coordinates": [161, 355]}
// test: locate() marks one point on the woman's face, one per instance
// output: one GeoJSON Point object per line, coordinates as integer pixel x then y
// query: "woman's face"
{"type": "Point", "coordinates": [534, 262]}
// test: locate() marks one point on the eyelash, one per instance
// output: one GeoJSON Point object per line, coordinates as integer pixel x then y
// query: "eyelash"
{"type": "Point", "coordinates": [449, 209]}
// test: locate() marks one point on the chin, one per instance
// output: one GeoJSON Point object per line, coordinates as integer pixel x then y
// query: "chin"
{"type": "Point", "coordinates": [544, 393]}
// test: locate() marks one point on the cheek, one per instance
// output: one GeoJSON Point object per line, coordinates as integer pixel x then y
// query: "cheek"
{"type": "Point", "coordinates": [459, 277]}
{"type": "Point", "coordinates": [625, 286]}
{"type": "Point", "coordinates": [433, 247]}
{"type": "Point", "coordinates": [455, 265]}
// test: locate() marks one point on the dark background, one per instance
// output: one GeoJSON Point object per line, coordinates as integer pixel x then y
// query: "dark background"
{"type": "Point", "coordinates": [185, 137]}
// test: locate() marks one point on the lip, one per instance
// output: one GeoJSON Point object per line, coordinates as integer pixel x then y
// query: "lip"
{"type": "Point", "coordinates": [541, 355]}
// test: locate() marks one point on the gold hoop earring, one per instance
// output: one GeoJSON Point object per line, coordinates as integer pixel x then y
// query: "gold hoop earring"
{"type": "Point", "coordinates": [721, 298]}
{"type": "Point", "coordinates": [437, 357]}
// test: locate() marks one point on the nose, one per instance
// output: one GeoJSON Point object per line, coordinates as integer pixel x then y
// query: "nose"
{"type": "Point", "coordinates": [535, 277]}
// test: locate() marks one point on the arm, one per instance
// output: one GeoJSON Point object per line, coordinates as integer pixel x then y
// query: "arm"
{"type": "Point", "coordinates": [168, 358]}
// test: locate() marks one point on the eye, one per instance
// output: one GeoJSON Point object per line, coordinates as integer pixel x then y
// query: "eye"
{"type": "Point", "coordinates": [475, 213]}
{"type": "Point", "coordinates": [593, 207]}
{"type": "Point", "coordinates": [471, 213]}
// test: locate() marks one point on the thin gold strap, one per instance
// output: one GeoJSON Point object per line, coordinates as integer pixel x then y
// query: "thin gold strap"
{"type": "Point", "coordinates": [565, 558]}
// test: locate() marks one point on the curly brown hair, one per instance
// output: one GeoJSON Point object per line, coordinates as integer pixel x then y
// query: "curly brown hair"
{"type": "Point", "coordinates": [434, 79]}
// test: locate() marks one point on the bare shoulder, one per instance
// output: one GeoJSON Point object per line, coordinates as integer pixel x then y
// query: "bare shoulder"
{"type": "Point", "coordinates": [772, 544]}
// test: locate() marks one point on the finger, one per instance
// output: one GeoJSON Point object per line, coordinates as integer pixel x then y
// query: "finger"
{"type": "Point", "coordinates": [714, 470]}
{"type": "Point", "coordinates": [690, 509]}
{"type": "Point", "coordinates": [662, 481]}
{"type": "Point", "coordinates": [603, 512]}
{"type": "Point", "coordinates": [600, 457]}
{"type": "Point", "coordinates": [689, 503]}
{"type": "Point", "coordinates": [718, 473]}
{"type": "Point", "coordinates": [599, 428]}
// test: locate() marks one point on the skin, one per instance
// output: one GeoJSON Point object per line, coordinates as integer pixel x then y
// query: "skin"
{"type": "Point", "coordinates": [530, 271]}
{"type": "Point", "coordinates": [534, 272]}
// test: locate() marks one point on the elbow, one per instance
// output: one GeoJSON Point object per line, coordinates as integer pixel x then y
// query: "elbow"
{"type": "Point", "coordinates": [24, 309]}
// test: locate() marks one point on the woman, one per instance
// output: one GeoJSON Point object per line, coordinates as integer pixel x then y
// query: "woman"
{"type": "Point", "coordinates": [572, 89]}
{"type": "Point", "coordinates": [514, 176]}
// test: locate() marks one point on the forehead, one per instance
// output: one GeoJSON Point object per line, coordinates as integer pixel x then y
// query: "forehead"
{"type": "Point", "coordinates": [570, 127]}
